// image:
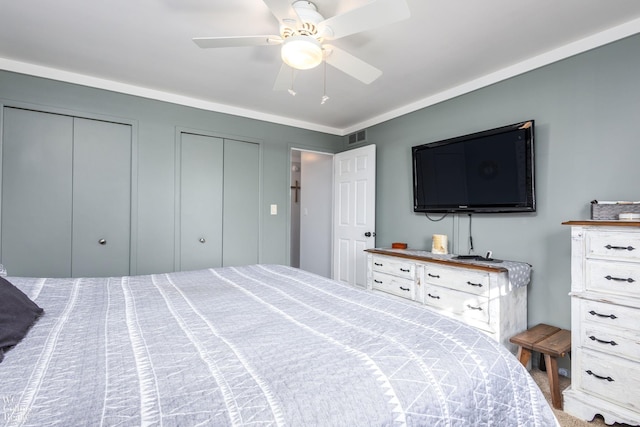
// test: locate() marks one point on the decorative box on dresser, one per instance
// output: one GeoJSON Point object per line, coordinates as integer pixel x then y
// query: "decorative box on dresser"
{"type": "Point", "coordinates": [605, 321]}
{"type": "Point", "coordinates": [481, 294]}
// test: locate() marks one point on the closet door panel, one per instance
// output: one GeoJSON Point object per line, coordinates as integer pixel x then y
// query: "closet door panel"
{"type": "Point", "coordinates": [101, 198]}
{"type": "Point", "coordinates": [36, 193]}
{"type": "Point", "coordinates": [201, 175]}
{"type": "Point", "coordinates": [241, 202]}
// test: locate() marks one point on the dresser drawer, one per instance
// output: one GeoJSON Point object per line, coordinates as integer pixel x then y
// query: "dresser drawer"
{"type": "Point", "coordinates": [613, 245]}
{"type": "Point", "coordinates": [465, 280]}
{"type": "Point", "coordinates": [394, 285]}
{"type": "Point", "coordinates": [608, 315]}
{"type": "Point", "coordinates": [464, 304]}
{"type": "Point", "coordinates": [611, 377]}
{"type": "Point", "coordinates": [622, 278]}
{"type": "Point", "coordinates": [617, 342]}
{"type": "Point", "coordinates": [396, 267]}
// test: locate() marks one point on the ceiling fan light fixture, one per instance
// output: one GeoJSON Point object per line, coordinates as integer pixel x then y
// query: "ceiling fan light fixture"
{"type": "Point", "coordinates": [302, 52]}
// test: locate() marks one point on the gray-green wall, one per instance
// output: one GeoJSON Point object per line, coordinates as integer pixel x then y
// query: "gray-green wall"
{"type": "Point", "coordinates": [586, 109]}
{"type": "Point", "coordinates": [587, 112]}
{"type": "Point", "coordinates": [156, 126]}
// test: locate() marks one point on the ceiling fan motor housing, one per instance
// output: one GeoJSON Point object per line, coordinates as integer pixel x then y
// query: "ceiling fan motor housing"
{"type": "Point", "coordinates": [307, 12]}
{"type": "Point", "coordinates": [309, 18]}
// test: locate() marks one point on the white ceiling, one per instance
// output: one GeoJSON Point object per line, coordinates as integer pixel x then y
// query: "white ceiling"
{"type": "Point", "coordinates": [446, 48]}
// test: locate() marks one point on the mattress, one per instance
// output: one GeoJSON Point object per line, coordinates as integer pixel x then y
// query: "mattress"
{"type": "Point", "coordinates": [260, 345]}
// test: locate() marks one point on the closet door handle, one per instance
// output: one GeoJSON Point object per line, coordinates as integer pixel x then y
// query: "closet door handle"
{"type": "Point", "coordinates": [201, 240]}
{"type": "Point", "coordinates": [102, 241]}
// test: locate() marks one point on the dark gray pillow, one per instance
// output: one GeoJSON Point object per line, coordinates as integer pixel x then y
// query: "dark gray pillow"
{"type": "Point", "coordinates": [17, 314]}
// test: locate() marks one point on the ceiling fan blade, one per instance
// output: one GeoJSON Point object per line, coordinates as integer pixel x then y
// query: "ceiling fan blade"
{"type": "Point", "coordinates": [372, 15]}
{"type": "Point", "coordinates": [351, 65]}
{"type": "Point", "coordinates": [281, 9]}
{"type": "Point", "coordinates": [239, 41]}
{"type": "Point", "coordinates": [285, 79]}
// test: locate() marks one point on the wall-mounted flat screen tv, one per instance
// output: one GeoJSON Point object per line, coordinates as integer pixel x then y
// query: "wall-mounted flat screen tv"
{"type": "Point", "coordinates": [489, 171]}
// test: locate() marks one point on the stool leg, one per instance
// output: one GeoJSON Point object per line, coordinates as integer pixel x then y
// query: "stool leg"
{"type": "Point", "coordinates": [554, 383]}
{"type": "Point", "coordinates": [523, 355]}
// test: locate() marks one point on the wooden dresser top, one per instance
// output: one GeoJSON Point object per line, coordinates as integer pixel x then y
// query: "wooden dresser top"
{"type": "Point", "coordinates": [438, 259]}
{"type": "Point", "coordinates": [603, 223]}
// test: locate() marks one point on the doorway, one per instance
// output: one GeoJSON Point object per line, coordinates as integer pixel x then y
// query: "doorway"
{"type": "Point", "coordinates": [311, 213]}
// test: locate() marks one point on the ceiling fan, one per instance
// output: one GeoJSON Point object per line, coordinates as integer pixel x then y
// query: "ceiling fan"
{"type": "Point", "coordinates": [304, 33]}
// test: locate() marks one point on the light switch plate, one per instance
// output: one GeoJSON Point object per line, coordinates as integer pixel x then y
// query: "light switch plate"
{"type": "Point", "coordinates": [274, 209]}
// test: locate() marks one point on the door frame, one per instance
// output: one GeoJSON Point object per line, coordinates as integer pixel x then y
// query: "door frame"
{"type": "Point", "coordinates": [300, 147]}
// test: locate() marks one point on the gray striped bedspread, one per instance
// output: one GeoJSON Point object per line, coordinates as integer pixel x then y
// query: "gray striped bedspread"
{"type": "Point", "coordinates": [261, 345]}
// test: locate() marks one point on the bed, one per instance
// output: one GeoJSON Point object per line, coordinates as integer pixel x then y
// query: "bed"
{"type": "Point", "coordinates": [260, 345]}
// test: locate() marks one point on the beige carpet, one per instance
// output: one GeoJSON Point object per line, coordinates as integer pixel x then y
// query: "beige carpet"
{"type": "Point", "coordinates": [565, 419]}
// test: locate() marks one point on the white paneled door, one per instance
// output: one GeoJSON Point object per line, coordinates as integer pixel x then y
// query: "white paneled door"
{"type": "Point", "coordinates": [354, 213]}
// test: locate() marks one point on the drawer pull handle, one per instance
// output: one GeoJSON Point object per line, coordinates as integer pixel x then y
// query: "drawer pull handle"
{"type": "Point", "coordinates": [474, 284]}
{"type": "Point", "coordinates": [377, 264]}
{"type": "Point", "coordinates": [377, 281]}
{"type": "Point", "coordinates": [611, 316]}
{"type": "Point", "coordinates": [600, 377]}
{"type": "Point", "coordinates": [433, 275]}
{"type": "Point", "coordinates": [619, 279]}
{"type": "Point", "coordinates": [474, 308]}
{"type": "Point", "coordinates": [602, 341]}
{"type": "Point", "coordinates": [405, 270]}
{"type": "Point", "coordinates": [624, 248]}
{"type": "Point", "coordinates": [433, 296]}
{"type": "Point", "coordinates": [404, 289]}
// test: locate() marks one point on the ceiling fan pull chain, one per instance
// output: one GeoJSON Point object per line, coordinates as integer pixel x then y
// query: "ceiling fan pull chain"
{"type": "Point", "coordinates": [291, 91]}
{"type": "Point", "coordinates": [325, 98]}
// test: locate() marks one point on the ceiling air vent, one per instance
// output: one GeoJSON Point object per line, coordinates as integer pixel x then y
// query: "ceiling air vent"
{"type": "Point", "coordinates": [357, 137]}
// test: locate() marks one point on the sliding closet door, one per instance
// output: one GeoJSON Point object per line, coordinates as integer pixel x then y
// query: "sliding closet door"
{"type": "Point", "coordinates": [201, 177]}
{"type": "Point", "coordinates": [241, 202]}
{"type": "Point", "coordinates": [36, 193]}
{"type": "Point", "coordinates": [101, 198]}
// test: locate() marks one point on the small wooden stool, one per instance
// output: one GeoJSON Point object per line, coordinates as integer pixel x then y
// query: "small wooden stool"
{"type": "Point", "coordinates": [550, 341]}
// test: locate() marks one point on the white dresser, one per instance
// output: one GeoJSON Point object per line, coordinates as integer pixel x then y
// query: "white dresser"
{"type": "Point", "coordinates": [605, 321]}
{"type": "Point", "coordinates": [479, 294]}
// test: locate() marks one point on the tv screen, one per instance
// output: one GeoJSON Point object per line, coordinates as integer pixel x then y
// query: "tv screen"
{"type": "Point", "coordinates": [489, 171]}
